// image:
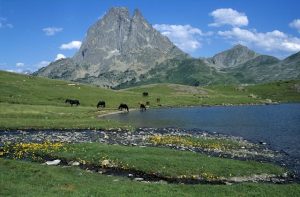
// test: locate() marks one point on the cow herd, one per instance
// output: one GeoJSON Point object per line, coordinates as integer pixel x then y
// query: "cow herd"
{"type": "Point", "coordinates": [122, 106]}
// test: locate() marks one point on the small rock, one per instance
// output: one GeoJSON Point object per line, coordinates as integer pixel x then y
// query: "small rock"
{"type": "Point", "coordinates": [115, 180]}
{"type": "Point", "coordinates": [228, 183]}
{"type": "Point", "coordinates": [138, 179]}
{"type": "Point", "coordinates": [74, 163]}
{"type": "Point", "coordinates": [263, 143]}
{"type": "Point", "coordinates": [53, 163]}
{"type": "Point", "coordinates": [285, 175]}
{"type": "Point", "coordinates": [105, 162]}
{"type": "Point", "coordinates": [162, 182]}
{"type": "Point", "coordinates": [130, 175]}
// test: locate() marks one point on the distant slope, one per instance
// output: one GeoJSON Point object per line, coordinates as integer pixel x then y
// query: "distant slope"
{"type": "Point", "coordinates": [194, 72]}
{"type": "Point", "coordinates": [265, 68]}
{"type": "Point", "coordinates": [238, 65]}
{"type": "Point", "coordinates": [24, 89]}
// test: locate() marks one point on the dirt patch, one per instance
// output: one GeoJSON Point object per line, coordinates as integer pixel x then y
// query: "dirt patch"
{"type": "Point", "coordinates": [297, 87]}
{"type": "Point", "coordinates": [187, 89]}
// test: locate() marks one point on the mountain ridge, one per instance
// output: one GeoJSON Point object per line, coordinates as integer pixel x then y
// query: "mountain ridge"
{"type": "Point", "coordinates": [121, 50]}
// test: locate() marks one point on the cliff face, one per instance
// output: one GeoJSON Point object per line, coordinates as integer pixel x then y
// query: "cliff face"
{"type": "Point", "coordinates": [117, 48]}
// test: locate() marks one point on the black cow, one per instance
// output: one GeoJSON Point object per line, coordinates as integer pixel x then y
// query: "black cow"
{"type": "Point", "coordinates": [123, 106]}
{"type": "Point", "coordinates": [72, 102]}
{"type": "Point", "coordinates": [145, 94]}
{"type": "Point", "coordinates": [101, 104]}
{"type": "Point", "coordinates": [143, 107]}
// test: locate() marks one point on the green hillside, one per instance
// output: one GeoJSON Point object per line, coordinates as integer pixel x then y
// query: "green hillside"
{"type": "Point", "coordinates": [34, 102]}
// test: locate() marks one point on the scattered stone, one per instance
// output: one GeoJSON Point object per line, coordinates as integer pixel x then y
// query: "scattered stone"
{"type": "Point", "coordinates": [53, 163]}
{"type": "Point", "coordinates": [130, 175]}
{"type": "Point", "coordinates": [263, 143]}
{"type": "Point", "coordinates": [138, 179]}
{"type": "Point", "coordinates": [162, 182]}
{"type": "Point", "coordinates": [285, 175]}
{"type": "Point", "coordinates": [105, 163]}
{"type": "Point", "coordinates": [74, 163]}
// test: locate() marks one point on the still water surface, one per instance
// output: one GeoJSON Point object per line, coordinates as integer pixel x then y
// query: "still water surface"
{"type": "Point", "coordinates": [277, 125]}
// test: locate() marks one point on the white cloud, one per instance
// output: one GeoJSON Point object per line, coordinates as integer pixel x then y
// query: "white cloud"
{"type": "Point", "coordinates": [60, 56]}
{"type": "Point", "coordinates": [42, 64]}
{"type": "Point", "coordinates": [185, 37]}
{"type": "Point", "coordinates": [19, 70]}
{"type": "Point", "coordinates": [20, 64]}
{"type": "Point", "coordinates": [24, 68]}
{"type": "Point", "coordinates": [71, 45]}
{"type": "Point", "coordinates": [268, 41]}
{"type": "Point", "coordinates": [4, 23]}
{"type": "Point", "coordinates": [228, 16]}
{"type": "Point", "coordinates": [51, 31]}
{"type": "Point", "coordinates": [295, 24]}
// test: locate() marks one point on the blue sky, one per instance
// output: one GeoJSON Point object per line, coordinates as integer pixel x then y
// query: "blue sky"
{"type": "Point", "coordinates": [34, 33]}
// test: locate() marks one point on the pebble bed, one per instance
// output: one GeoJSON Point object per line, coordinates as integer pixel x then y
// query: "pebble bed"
{"type": "Point", "coordinates": [249, 151]}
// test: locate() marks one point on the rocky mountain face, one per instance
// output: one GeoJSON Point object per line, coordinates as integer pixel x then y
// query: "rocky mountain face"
{"type": "Point", "coordinates": [117, 49]}
{"type": "Point", "coordinates": [122, 50]}
{"type": "Point", "coordinates": [264, 68]}
{"type": "Point", "coordinates": [233, 57]}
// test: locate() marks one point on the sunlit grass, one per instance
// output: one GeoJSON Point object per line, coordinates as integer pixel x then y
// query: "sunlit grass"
{"type": "Point", "coordinates": [19, 178]}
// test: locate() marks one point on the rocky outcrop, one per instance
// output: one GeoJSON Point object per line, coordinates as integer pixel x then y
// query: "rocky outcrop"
{"type": "Point", "coordinates": [117, 48]}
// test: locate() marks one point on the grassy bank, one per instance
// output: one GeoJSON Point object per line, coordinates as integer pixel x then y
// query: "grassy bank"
{"type": "Point", "coordinates": [161, 161]}
{"type": "Point", "coordinates": [19, 178]}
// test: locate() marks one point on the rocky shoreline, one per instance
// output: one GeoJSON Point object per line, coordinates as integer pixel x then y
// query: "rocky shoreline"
{"type": "Point", "coordinates": [249, 151]}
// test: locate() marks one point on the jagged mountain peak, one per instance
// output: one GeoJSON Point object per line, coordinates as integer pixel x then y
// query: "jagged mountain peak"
{"type": "Point", "coordinates": [232, 57]}
{"type": "Point", "coordinates": [118, 11]}
{"type": "Point", "coordinates": [239, 46]}
{"type": "Point", "coordinates": [137, 13]}
{"type": "Point", "coordinates": [117, 48]}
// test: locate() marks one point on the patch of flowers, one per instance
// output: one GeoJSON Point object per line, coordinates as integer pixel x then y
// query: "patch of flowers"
{"type": "Point", "coordinates": [33, 151]}
{"type": "Point", "coordinates": [186, 141]}
{"type": "Point", "coordinates": [204, 175]}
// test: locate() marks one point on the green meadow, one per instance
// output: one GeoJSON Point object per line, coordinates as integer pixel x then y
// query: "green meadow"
{"type": "Point", "coordinates": [28, 102]}
{"type": "Point", "coordinates": [34, 102]}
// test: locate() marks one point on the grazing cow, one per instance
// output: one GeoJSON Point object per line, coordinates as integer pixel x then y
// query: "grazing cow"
{"type": "Point", "coordinates": [145, 94]}
{"type": "Point", "coordinates": [123, 106]}
{"type": "Point", "coordinates": [143, 107]}
{"type": "Point", "coordinates": [72, 102]}
{"type": "Point", "coordinates": [101, 104]}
